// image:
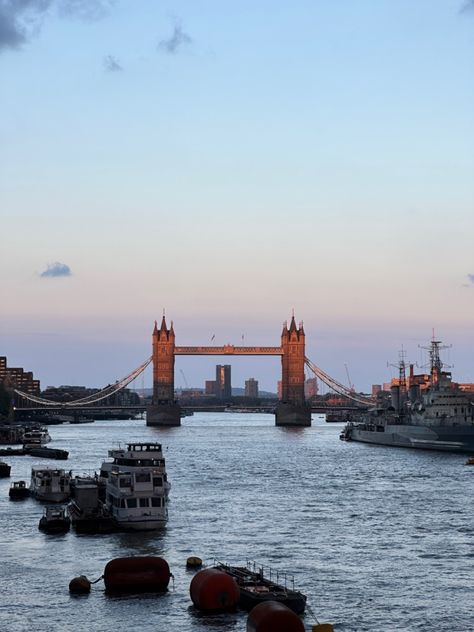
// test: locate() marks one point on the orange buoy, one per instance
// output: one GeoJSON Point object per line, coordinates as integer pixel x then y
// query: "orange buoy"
{"type": "Point", "coordinates": [80, 585]}
{"type": "Point", "coordinates": [214, 591]}
{"type": "Point", "coordinates": [137, 574]}
{"type": "Point", "coordinates": [272, 616]}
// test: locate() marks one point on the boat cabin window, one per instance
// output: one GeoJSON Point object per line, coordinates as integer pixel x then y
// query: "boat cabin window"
{"type": "Point", "coordinates": [143, 502]}
{"type": "Point", "coordinates": [104, 473]}
{"type": "Point", "coordinates": [156, 502]}
{"type": "Point", "coordinates": [125, 481]}
{"type": "Point", "coordinates": [157, 481]}
{"type": "Point", "coordinates": [131, 503]}
{"type": "Point", "coordinates": [142, 477]}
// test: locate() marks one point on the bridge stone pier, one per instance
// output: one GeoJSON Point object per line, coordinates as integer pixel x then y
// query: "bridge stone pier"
{"type": "Point", "coordinates": [292, 410]}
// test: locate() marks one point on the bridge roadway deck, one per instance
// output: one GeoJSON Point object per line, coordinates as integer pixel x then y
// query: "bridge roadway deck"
{"type": "Point", "coordinates": [204, 408]}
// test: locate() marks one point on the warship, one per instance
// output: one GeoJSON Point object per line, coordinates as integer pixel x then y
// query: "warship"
{"type": "Point", "coordinates": [428, 412]}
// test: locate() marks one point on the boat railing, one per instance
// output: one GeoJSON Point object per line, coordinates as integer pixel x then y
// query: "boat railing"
{"type": "Point", "coordinates": [272, 574]}
{"type": "Point", "coordinates": [267, 573]}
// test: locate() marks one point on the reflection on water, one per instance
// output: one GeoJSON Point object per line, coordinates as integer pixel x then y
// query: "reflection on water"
{"type": "Point", "coordinates": [378, 539]}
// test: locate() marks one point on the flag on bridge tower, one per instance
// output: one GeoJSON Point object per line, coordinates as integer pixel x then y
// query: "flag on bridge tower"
{"type": "Point", "coordinates": [213, 336]}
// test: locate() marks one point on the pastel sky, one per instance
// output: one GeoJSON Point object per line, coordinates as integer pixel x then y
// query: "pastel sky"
{"type": "Point", "coordinates": [230, 161]}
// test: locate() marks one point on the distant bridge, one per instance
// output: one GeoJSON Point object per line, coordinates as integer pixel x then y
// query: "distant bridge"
{"type": "Point", "coordinates": [291, 352]}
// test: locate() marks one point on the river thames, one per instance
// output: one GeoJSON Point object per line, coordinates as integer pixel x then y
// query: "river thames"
{"type": "Point", "coordinates": [379, 539]}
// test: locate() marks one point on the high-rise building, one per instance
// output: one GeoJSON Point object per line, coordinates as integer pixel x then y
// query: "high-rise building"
{"type": "Point", "coordinates": [16, 377]}
{"type": "Point", "coordinates": [210, 387]}
{"type": "Point", "coordinates": [311, 387]}
{"type": "Point", "coordinates": [223, 381]}
{"type": "Point", "coordinates": [376, 388]}
{"type": "Point", "coordinates": [251, 388]}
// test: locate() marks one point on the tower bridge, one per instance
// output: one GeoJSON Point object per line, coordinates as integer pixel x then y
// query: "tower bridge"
{"type": "Point", "coordinates": [291, 410]}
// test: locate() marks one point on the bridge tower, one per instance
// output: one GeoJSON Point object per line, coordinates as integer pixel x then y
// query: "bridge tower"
{"type": "Point", "coordinates": [292, 410]}
{"type": "Point", "coordinates": [164, 410]}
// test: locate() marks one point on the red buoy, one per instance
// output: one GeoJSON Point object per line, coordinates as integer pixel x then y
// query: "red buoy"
{"type": "Point", "coordinates": [213, 591]}
{"type": "Point", "coordinates": [272, 616]}
{"type": "Point", "coordinates": [137, 574]}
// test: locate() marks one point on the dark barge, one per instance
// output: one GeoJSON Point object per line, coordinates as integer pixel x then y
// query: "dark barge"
{"type": "Point", "coordinates": [258, 584]}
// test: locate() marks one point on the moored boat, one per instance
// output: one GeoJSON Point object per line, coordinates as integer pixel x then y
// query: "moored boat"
{"type": "Point", "coordinates": [137, 486]}
{"type": "Point", "coordinates": [136, 456]}
{"type": "Point", "coordinates": [18, 490]}
{"type": "Point", "coordinates": [136, 500]}
{"type": "Point", "coordinates": [428, 412]}
{"type": "Point", "coordinates": [258, 584]}
{"type": "Point", "coordinates": [35, 437]}
{"type": "Point", "coordinates": [4, 469]}
{"type": "Point", "coordinates": [54, 520]}
{"type": "Point", "coordinates": [50, 484]}
{"type": "Point", "coordinates": [47, 453]}
{"type": "Point", "coordinates": [88, 514]}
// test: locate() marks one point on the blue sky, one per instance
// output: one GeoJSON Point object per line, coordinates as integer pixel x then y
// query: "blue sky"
{"type": "Point", "coordinates": [228, 162]}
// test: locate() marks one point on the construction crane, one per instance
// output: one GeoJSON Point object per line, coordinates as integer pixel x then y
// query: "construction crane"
{"type": "Point", "coordinates": [351, 386]}
{"type": "Point", "coordinates": [184, 378]}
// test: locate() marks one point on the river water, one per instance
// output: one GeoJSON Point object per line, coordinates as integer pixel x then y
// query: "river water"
{"type": "Point", "coordinates": [379, 539]}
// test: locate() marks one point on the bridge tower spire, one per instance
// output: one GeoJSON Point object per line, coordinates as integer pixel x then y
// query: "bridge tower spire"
{"type": "Point", "coordinates": [293, 409]}
{"type": "Point", "coordinates": [164, 411]}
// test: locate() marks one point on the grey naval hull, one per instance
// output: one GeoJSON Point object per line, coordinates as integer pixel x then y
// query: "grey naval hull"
{"type": "Point", "coordinates": [447, 439]}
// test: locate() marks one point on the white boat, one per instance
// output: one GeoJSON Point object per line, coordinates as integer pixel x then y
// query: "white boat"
{"type": "Point", "coordinates": [136, 456]}
{"type": "Point", "coordinates": [36, 437]}
{"type": "Point", "coordinates": [137, 486]}
{"type": "Point", "coordinates": [50, 484]}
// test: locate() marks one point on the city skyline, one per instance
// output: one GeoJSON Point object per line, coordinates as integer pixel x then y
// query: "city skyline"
{"type": "Point", "coordinates": [229, 164]}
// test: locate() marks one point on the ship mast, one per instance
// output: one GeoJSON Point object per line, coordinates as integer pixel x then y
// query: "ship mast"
{"type": "Point", "coordinates": [402, 380]}
{"type": "Point", "coordinates": [436, 364]}
{"type": "Point", "coordinates": [399, 391]}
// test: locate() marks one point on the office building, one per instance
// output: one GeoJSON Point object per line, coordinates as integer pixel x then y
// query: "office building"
{"type": "Point", "coordinates": [251, 388]}
{"type": "Point", "coordinates": [223, 382]}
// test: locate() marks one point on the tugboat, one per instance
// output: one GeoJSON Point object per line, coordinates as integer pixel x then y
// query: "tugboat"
{"type": "Point", "coordinates": [258, 584]}
{"type": "Point", "coordinates": [54, 520]}
{"type": "Point", "coordinates": [428, 412]}
{"type": "Point", "coordinates": [18, 490]}
{"type": "Point", "coordinates": [50, 485]}
{"type": "Point", "coordinates": [137, 486]}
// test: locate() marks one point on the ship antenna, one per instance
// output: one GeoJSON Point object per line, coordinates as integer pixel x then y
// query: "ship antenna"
{"type": "Point", "coordinates": [436, 364]}
{"type": "Point", "coordinates": [402, 381]}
